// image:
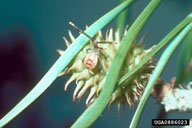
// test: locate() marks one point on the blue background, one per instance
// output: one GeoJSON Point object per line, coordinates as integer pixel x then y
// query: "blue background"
{"type": "Point", "coordinates": [30, 33]}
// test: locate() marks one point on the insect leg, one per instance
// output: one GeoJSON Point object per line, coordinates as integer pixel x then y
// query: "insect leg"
{"type": "Point", "coordinates": [101, 65]}
{"type": "Point", "coordinates": [103, 42]}
{"type": "Point", "coordinates": [103, 55]}
{"type": "Point", "coordinates": [81, 31]}
{"type": "Point", "coordinates": [88, 49]}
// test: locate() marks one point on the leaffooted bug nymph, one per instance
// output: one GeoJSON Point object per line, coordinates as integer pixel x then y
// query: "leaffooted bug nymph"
{"type": "Point", "coordinates": [92, 58]}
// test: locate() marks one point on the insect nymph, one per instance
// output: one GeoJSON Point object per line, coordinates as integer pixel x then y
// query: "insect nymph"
{"type": "Point", "coordinates": [92, 58]}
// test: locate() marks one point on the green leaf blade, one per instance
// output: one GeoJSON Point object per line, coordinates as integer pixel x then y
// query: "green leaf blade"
{"type": "Point", "coordinates": [61, 63]}
{"type": "Point", "coordinates": [159, 68]}
{"type": "Point", "coordinates": [95, 110]}
{"type": "Point", "coordinates": [185, 61]}
{"type": "Point", "coordinates": [161, 44]}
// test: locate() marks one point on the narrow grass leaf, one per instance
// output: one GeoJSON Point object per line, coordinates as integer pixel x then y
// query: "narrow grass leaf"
{"type": "Point", "coordinates": [185, 61]}
{"type": "Point", "coordinates": [162, 43]}
{"type": "Point", "coordinates": [159, 68]}
{"type": "Point", "coordinates": [61, 63]}
{"type": "Point", "coordinates": [94, 111]}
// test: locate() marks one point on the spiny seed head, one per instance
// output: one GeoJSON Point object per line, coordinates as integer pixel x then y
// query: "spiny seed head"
{"type": "Point", "coordinates": [92, 79]}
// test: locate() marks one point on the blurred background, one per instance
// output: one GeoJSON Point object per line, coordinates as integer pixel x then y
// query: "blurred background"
{"type": "Point", "coordinates": [30, 34]}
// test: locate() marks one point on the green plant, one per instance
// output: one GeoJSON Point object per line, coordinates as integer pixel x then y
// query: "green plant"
{"type": "Point", "coordinates": [112, 81]}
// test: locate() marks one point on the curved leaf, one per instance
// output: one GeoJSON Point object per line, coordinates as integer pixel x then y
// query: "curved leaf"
{"type": "Point", "coordinates": [185, 61]}
{"type": "Point", "coordinates": [61, 63]}
{"type": "Point", "coordinates": [156, 73]}
{"type": "Point", "coordinates": [162, 43]}
{"type": "Point", "coordinates": [95, 109]}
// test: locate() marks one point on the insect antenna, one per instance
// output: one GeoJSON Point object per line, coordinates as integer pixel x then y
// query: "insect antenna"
{"type": "Point", "coordinates": [81, 31]}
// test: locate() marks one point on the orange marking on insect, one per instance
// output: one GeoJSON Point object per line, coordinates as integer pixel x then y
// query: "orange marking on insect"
{"type": "Point", "coordinates": [90, 61]}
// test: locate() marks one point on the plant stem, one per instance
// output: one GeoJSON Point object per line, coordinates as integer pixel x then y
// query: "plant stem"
{"type": "Point", "coordinates": [123, 19]}
{"type": "Point", "coordinates": [162, 43]}
{"type": "Point", "coordinates": [159, 68]}
{"type": "Point", "coordinates": [61, 63]}
{"type": "Point", "coordinates": [94, 111]}
{"type": "Point", "coordinates": [184, 61]}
